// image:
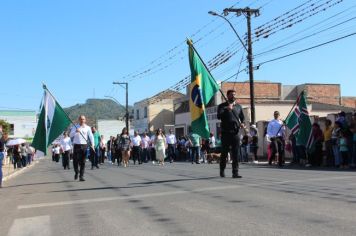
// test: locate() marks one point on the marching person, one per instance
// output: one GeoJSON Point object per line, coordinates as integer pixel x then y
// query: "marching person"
{"type": "Point", "coordinates": [145, 144]}
{"type": "Point", "coordinates": [172, 143]}
{"type": "Point", "coordinates": [95, 153]}
{"type": "Point", "coordinates": [160, 146]}
{"type": "Point", "coordinates": [102, 149]}
{"type": "Point", "coordinates": [276, 133]}
{"type": "Point", "coordinates": [136, 148]}
{"type": "Point", "coordinates": [231, 115]}
{"type": "Point", "coordinates": [82, 138]}
{"type": "Point", "coordinates": [124, 145]}
{"type": "Point", "coordinates": [66, 145]}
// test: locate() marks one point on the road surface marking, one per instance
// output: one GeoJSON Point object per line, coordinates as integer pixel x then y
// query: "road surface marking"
{"type": "Point", "coordinates": [36, 226]}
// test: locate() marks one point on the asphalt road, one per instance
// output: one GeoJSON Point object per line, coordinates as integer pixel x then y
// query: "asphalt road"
{"type": "Point", "coordinates": [178, 199]}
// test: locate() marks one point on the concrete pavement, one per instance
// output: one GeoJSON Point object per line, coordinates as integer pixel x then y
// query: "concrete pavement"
{"type": "Point", "coordinates": [178, 199]}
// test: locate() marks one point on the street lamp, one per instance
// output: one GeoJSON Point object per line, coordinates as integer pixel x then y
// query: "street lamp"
{"type": "Point", "coordinates": [248, 50]}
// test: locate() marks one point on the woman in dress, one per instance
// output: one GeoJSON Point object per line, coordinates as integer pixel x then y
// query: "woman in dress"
{"type": "Point", "coordinates": [160, 146]}
{"type": "Point", "coordinates": [124, 144]}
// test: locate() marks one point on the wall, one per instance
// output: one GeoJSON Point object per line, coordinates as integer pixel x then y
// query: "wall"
{"type": "Point", "coordinates": [349, 102]}
{"type": "Point", "coordinates": [110, 127]}
{"type": "Point", "coordinates": [323, 93]}
{"type": "Point", "coordinates": [25, 122]}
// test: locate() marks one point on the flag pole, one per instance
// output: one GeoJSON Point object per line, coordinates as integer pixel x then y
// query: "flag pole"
{"type": "Point", "coordinates": [86, 140]}
{"type": "Point", "coordinates": [190, 44]}
{"type": "Point", "coordinates": [298, 98]}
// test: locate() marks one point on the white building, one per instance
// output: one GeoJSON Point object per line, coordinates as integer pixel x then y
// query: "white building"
{"type": "Point", "coordinates": [22, 123]}
{"type": "Point", "coordinates": [110, 127]}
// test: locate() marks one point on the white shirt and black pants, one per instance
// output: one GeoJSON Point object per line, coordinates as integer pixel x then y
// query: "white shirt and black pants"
{"type": "Point", "coordinates": [171, 141]}
{"type": "Point", "coordinates": [81, 140]}
{"type": "Point", "coordinates": [275, 133]}
{"type": "Point", "coordinates": [66, 145]}
{"type": "Point", "coordinates": [136, 149]}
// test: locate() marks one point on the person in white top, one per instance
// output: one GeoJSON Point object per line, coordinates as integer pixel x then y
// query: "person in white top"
{"type": "Point", "coordinates": [136, 148]}
{"type": "Point", "coordinates": [212, 143]}
{"type": "Point", "coordinates": [57, 151]}
{"type": "Point", "coordinates": [172, 143]}
{"type": "Point", "coordinates": [275, 134]}
{"type": "Point", "coordinates": [82, 138]}
{"type": "Point", "coordinates": [145, 145]}
{"type": "Point", "coordinates": [66, 145]}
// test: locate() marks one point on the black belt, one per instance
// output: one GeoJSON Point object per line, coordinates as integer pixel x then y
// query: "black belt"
{"type": "Point", "coordinates": [81, 145]}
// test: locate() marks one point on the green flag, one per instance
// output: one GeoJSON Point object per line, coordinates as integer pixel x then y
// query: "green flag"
{"type": "Point", "coordinates": [51, 123]}
{"type": "Point", "coordinates": [202, 88]}
{"type": "Point", "coordinates": [299, 122]}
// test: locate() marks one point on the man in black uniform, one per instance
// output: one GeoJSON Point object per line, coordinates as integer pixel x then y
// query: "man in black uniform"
{"type": "Point", "coordinates": [231, 115]}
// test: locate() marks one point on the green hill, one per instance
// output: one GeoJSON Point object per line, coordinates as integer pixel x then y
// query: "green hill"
{"type": "Point", "coordinates": [96, 109]}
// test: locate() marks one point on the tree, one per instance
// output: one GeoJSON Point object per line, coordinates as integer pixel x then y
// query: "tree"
{"type": "Point", "coordinates": [5, 126]}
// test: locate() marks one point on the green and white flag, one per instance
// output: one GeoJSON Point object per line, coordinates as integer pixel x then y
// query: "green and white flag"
{"type": "Point", "coordinates": [299, 122]}
{"type": "Point", "coordinates": [51, 122]}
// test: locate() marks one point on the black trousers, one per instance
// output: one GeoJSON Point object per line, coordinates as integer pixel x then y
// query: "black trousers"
{"type": "Point", "coordinates": [171, 152]}
{"type": "Point", "coordinates": [79, 155]}
{"type": "Point", "coordinates": [136, 154]}
{"type": "Point", "coordinates": [230, 142]}
{"type": "Point", "coordinates": [277, 146]}
{"type": "Point", "coordinates": [145, 155]}
{"type": "Point", "coordinates": [65, 159]}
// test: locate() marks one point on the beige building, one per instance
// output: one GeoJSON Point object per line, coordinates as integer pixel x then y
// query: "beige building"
{"type": "Point", "coordinates": [155, 112]}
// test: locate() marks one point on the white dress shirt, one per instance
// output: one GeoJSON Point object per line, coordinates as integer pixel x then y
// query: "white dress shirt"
{"type": "Point", "coordinates": [146, 142]}
{"type": "Point", "coordinates": [85, 131]}
{"type": "Point", "coordinates": [212, 142]}
{"type": "Point", "coordinates": [273, 127]}
{"type": "Point", "coordinates": [66, 144]}
{"type": "Point", "coordinates": [57, 150]}
{"type": "Point", "coordinates": [136, 140]}
{"type": "Point", "coordinates": [171, 139]}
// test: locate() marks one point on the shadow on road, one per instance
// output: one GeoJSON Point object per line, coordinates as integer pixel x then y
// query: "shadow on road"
{"type": "Point", "coordinates": [42, 183]}
{"type": "Point", "coordinates": [94, 189]}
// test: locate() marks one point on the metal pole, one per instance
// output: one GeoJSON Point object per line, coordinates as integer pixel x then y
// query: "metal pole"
{"type": "Point", "coordinates": [250, 68]}
{"type": "Point", "coordinates": [127, 107]}
{"type": "Point", "coordinates": [127, 103]}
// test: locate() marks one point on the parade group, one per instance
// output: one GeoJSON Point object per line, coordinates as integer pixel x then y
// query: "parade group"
{"type": "Point", "coordinates": [334, 146]}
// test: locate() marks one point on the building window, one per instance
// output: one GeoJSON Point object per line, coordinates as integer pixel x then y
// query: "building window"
{"type": "Point", "coordinates": [137, 114]}
{"type": "Point", "coordinates": [12, 129]}
{"type": "Point", "coordinates": [145, 113]}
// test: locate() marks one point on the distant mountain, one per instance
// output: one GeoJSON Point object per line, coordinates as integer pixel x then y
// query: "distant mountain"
{"type": "Point", "coordinates": [96, 109]}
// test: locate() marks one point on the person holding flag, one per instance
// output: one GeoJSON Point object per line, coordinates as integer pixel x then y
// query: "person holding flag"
{"type": "Point", "coordinates": [231, 115]}
{"type": "Point", "coordinates": [82, 137]}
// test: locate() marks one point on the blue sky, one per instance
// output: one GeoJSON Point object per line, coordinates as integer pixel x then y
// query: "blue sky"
{"type": "Point", "coordinates": [78, 48]}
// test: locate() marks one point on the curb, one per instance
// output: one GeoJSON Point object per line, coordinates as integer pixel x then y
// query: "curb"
{"type": "Point", "coordinates": [18, 172]}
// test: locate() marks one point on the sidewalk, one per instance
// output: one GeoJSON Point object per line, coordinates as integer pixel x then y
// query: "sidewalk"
{"type": "Point", "coordinates": [8, 170]}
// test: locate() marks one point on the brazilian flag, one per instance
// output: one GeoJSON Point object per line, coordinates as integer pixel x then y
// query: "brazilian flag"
{"type": "Point", "coordinates": [202, 88]}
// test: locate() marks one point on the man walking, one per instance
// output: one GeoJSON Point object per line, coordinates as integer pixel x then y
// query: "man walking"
{"type": "Point", "coordinates": [275, 133]}
{"type": "Point", "coordinates": [95, 153]}
{"type": "Point", "coordinates": [136, 148]}
{"type": "Point", "coordinates": [231, 115]}
{"type": "Point", "coordinates": [145, 144]}
{"type": "Point", "coordinates": [82, 137]}
{"type": "Point", "coordinates": [172, 142]}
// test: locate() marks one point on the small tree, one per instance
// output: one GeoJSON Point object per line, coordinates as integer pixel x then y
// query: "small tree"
{"type": "Point", "coordinates": [5, 126]}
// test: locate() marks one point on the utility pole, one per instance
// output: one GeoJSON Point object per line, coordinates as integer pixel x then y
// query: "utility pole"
{"type": "Point", "coordinates": [248, 12]}
{"type": "Point", "coordinates": [127, 102]}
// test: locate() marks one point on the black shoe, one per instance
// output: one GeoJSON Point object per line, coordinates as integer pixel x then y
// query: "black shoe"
{"type": "Point", "coordinates": [75, 176]}
{"type": "Point", "coordinates": [236, 176]}
{"type": "Point", "coordinates": [97, 166]}
{"type": "Point", "coordinates": [197, 162]}
{"type": "Point", "coordinates": [81, 179]}
{"type": "Point", "coordinates": [222, 174]}
{"type": "Point", "coordinates": [92, 168]}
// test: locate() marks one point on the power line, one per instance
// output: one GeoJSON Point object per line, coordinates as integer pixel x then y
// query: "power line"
{"type": "Point", "coordinates": [307, 49]}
